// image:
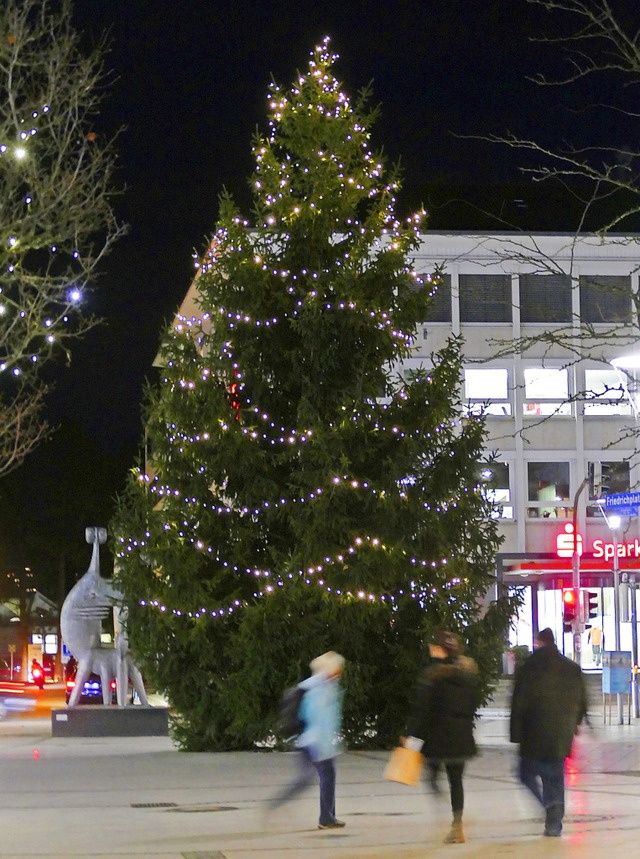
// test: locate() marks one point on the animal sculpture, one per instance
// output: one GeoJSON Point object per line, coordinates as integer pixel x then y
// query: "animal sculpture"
{"type": "Point", "coordinates": [88, 603]}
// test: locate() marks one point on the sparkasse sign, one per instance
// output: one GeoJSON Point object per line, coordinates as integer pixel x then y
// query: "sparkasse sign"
{"type": "Point", "coordinates": [606, 550]}
{"type": "Point", "coordinates": [600, 548]}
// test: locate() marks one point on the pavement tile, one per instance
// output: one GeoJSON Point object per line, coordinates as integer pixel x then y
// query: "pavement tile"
{"type": "Point", "coordinates": [126, 798]}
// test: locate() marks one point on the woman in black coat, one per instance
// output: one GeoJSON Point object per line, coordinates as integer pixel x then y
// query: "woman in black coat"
{"type": "Point", "coordinates": [441, 724]}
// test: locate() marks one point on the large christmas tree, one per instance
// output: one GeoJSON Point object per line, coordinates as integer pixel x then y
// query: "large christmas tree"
{"type": "Point", "coordinates": [303, 495]}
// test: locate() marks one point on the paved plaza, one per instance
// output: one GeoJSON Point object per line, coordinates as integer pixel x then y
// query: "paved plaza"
{"type": "Point", "coordinates": [130, 797]}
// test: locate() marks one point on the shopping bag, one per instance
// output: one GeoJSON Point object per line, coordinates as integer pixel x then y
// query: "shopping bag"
{"type": "Point", "coordinates": [404, 766]}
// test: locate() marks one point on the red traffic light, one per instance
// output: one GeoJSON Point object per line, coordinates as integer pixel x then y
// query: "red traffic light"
{"type": "Point", "coordinates": [570, 604]}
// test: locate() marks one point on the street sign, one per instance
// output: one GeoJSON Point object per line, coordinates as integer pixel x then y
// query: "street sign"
{"type": "Point", "coordinates": [623, 503]}
{"type": "Point", "coordinates": [616, 671]}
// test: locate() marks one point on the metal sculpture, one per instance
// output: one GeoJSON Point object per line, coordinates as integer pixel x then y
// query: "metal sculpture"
{"type": "Point", "coordinates": [88, 603]}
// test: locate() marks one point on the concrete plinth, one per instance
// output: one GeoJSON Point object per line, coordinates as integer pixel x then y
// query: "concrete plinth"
{"type": "Point", "coordinates": [91, 720]}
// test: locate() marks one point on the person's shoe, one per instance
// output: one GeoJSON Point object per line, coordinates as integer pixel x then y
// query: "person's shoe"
{"type": "Point", "coordinates": [455, 835]}
{"type": "Point", "coordinates": [336, 824]}
{"type": "Point", "coordinates": [553, 820]}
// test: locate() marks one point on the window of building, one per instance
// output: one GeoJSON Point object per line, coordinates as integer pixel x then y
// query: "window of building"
{"type": "Point", "coordinates": [440, 310]}
{"type": "Point", "coordinates": [411, 368]}
{"type": "Point", "coordinates": [486, 390]}
{"type": "Point", "coordinates": [545, 298]}
{"type": "Point", "coordinates": [485, 297]}
{"type": "Point", "coordinates": [546, 391]}
{"type": "Point", "coordinates": [606, 478]}
{"type": "Point", "coordinates": [604, 393]}
{"type": "Point", "coordinates": [496, 488]}
{"type": "Point", "coordinates": [548, 490]}
{"type": "Point", "coordinates": [605, 299]}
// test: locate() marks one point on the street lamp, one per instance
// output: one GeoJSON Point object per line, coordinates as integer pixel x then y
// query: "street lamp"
{"type": "Point", "coordinates": [627, 367]}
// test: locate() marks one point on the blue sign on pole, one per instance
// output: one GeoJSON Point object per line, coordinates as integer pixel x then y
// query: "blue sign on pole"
{"type": "Point", "coordinates": [622, 502]}
{"type": "Point", "coordinates": [616, 671]}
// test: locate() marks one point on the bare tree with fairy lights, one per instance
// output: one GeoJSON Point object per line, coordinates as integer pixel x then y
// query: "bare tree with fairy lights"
{"type": "Point", "coordinates": [303, 495]}
{"type": "Point", "coordinates": [56, 217]}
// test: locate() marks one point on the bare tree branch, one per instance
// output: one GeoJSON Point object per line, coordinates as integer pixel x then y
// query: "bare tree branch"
{"type": "Point", "coordinates": [56, 216]}
{"type": "Point", "coordinates": [598, 44]}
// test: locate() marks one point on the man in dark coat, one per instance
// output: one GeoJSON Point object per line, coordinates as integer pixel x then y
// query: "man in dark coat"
{"type": "Point", "coordinates": [441, 724]}
{"type": "Point", "coordinates": [549, 702]}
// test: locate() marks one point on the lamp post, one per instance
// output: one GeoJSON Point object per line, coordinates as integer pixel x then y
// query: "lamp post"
{"type": "Point", "coordinates": [578, 625]}
{"type": "Point", "coordinates": [634, 646]}
{"type": "Point", "coordinates": [627, 367]}
{"type": "Point", "coordinates": [614, 523]}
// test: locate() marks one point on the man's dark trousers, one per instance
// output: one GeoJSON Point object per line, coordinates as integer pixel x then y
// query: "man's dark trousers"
{"type": "Point", "coordinates": [550, 774]}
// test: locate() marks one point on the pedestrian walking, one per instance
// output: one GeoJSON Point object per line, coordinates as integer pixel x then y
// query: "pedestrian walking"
{"type": "Point", "coordinates": [441, 723]}
{"type": "Point", "coordinates": [319, 739]}
{"type": "Point", "coordinates": [595, 639]}
{"type": "Point", "coordinates": [549, 702]}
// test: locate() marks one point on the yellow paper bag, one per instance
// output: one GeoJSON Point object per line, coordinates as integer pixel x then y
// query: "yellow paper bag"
{"type": "Point", "coordinates": [404, 766]}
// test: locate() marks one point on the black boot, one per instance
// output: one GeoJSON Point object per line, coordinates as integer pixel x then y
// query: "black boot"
{"type": "Point", "coordinates": [553, 820]}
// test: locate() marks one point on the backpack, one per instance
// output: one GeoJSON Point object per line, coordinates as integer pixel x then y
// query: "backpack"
{"type": "Point", "coordinates": [290, 724]}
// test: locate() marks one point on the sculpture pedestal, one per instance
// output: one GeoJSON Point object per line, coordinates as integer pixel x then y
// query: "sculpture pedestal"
{"type": "Point", "coordinates": [93, 720]}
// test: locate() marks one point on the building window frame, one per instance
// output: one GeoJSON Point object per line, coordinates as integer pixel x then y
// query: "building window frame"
{"type": "Point", "coordinates": [604, 394]}
{"type": "Point", "coordinates": [618, 311]}
{"type": "Point", "coordinates": [545, 299]}
{"type": "Point", "coordinates": [500, 495]}
{"type": "Point", "coordinates": [606, 477]}
{"type": "Point", "coordinates": [487, 296]}
{"type": "Point", "coordinates": [548, 492]}
{"type": "Point", "coordinates": [538, 382]}
{"type": "Point", "coordinates": [487, 391]}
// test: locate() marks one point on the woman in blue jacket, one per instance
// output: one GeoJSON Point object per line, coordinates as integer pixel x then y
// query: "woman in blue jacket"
{"type": "Point", "coordinates": [319, 741]}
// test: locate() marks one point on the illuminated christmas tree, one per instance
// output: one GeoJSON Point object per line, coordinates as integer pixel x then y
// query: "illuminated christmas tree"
{"type": "Point", "coordinates": [303, 495]}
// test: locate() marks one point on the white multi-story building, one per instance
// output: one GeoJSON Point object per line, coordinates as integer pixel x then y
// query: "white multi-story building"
{"type": "Point", "coordinates": [541, 317]}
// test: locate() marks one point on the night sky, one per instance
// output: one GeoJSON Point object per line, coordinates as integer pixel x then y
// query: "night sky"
{"type": "Point", "coordinates": [190, 89]}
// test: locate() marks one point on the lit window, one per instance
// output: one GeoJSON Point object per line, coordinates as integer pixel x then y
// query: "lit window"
{"type": "Point", "coordinates": [548, 490]}
{"type": "Point", "coordinates": [546, 391]}
{"type": "Point", "coordinates": [486, 391]}
{"type": "Point", "coordinates": [604, 394]}
{"type": "Point", "coordinates": [495, 487]}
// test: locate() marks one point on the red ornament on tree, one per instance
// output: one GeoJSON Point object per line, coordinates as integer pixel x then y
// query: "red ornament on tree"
{"type": "Point", "coordinates": [233, 393]}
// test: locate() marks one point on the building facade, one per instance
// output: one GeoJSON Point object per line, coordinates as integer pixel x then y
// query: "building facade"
{"type": "Point", "coordinates": [541, 317]}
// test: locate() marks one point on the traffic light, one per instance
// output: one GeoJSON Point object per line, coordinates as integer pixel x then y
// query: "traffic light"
{"type": "Point", "coordinates": [570, 606]}
{"type": "Point", "coordinates": [591, 604]}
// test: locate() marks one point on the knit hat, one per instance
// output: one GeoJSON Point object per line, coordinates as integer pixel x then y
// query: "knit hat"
{"type": "Point", "coordinates": [545, 636]}
{"type": "Point", "coordinates": [329, 663]}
